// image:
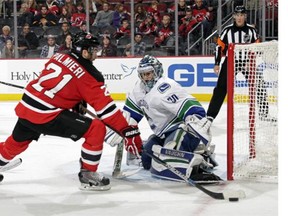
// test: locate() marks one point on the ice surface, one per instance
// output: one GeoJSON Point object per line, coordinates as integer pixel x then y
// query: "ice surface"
{"type": "Point", "coordinates": [46, 183]}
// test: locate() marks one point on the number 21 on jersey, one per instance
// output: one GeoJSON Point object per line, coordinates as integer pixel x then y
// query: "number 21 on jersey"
{"type": "Point", "coordinates": [56, 71]}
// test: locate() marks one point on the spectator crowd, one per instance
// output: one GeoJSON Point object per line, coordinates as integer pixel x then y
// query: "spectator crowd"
{"type": "Point", "coordinates": [43, 25]}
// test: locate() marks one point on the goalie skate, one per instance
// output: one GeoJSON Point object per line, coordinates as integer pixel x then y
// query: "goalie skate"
{"type": "Point", "coordinates": [202, 176]}
{"type": "Point", "coordinates": [93, 181]}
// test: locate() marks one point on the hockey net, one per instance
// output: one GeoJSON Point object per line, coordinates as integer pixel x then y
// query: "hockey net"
{"type": "Point", "coordinates": [252, 112]}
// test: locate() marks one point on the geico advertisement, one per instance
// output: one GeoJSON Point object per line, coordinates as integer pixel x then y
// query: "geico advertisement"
{"type": "Point", "coordinates": [193, 73]}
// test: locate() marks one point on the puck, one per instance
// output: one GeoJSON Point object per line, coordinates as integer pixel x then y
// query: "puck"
{"type": "Point", "coordinates": [1, 177]}
{"type": "Point", "coordinates": [233, 199]}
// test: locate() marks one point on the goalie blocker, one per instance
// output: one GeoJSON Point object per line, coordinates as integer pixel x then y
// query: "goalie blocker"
{"type": "Point", "coordinates": [192, 164]}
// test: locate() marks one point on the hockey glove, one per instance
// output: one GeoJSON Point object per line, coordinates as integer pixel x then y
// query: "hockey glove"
{"type": "Point", "coordinates": [78, 108]}
{"type": "Point", "coordinates": [112, 138]}
{"type": "Point", "coordinates": [200, 126]}
{"type": "Point", "coordinates": [132, 140]}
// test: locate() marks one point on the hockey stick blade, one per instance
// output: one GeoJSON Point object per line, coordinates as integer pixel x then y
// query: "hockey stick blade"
{"type": "Point", "coordinates": [125, 173]}
{"type": "Point", "coordinates": [1, 177]}
{"type": "Point", "coordinates": [221, 196]}
{"type": "Point", "coordinates": [11, 165]}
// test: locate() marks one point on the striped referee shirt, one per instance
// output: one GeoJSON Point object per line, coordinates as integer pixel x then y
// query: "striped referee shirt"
{"type": "Point", "coordinates": [234, 34]}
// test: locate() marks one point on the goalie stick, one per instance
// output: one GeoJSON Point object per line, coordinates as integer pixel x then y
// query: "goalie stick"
{"type": "Point", "coordinates": [118, 160]}
{"type": "Point", "coordinates": [228, 195]}
{"type": "Point", "coordinates": [117, 173]}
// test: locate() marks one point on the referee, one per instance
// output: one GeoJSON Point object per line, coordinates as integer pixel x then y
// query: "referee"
{"type": "Point", "coordinates": [238, 32]}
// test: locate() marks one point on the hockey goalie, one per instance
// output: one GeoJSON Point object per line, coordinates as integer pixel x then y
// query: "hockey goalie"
{"type": "Point", "coordinates": [181, 132]}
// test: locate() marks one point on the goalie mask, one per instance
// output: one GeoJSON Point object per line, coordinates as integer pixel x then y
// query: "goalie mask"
{"type": "Point", "coordinates": [149, 64]}
{"type": "Point", "coordinates": [84, 41]}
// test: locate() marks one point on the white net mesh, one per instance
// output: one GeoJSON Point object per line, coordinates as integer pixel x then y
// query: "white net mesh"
{"type": "Point", "coordinates": [255, 133]}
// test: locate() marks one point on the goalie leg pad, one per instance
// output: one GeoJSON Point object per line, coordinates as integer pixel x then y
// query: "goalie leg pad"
{"type": "Point", "coordinates": [209, 156]}
{"type": "Point", "coordinates": [185, 162]}
{"type": "Point", "coordinates": [181, 139]}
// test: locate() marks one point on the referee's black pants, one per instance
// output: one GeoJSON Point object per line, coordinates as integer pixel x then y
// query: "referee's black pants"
{"type": "Point", "coordinates": [219, 92]}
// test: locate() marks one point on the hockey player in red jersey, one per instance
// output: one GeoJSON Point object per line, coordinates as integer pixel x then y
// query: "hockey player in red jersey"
{"type": "Point", "coordinates": [45, 108]}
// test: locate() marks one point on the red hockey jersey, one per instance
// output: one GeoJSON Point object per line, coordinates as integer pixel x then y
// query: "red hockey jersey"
{"type": "Point", "coordinates": [66, 80]}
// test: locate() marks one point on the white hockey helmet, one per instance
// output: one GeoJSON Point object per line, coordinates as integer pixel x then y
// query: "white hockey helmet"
{"type": "Point", "coordinates": [147, 64]}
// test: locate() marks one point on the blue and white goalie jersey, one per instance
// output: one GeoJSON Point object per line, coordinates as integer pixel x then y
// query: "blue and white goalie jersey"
{"type": "Point", "coordinates": [166, 105]}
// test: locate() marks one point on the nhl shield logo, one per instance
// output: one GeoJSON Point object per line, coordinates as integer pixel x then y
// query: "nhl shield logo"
{"type": "Point", "coordinates": [247, 38]}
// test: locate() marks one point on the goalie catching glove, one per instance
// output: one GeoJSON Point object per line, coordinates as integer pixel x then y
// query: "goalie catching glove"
{"type": "Point", "coordinates": [132, 140]}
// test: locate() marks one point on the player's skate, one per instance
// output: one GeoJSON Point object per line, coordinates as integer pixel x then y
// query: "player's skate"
{"type": "Point", "coordinates": [200, 126]}
{"type": "Point", "coordinates": [93, 181]}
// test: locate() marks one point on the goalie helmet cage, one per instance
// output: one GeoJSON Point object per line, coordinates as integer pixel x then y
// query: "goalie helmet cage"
{"type": "Point", "coordinates": [252, 128]}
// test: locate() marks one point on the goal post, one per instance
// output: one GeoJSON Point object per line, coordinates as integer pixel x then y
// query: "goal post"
{"type": "Point", "coordinates": [252, 111]}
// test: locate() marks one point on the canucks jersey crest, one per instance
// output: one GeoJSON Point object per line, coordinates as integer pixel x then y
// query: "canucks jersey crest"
{"type": "Point", "coordinates": [164, 87]}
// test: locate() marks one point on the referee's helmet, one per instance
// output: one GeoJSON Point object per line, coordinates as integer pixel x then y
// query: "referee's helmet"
{"type": "Point", "coordinates": [240, 9]}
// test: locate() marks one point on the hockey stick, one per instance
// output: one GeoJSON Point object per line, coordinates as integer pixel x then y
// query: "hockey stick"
{"type": "Point", "coordinates": [117, 173]}
{"type": "Point", "coordinates": [118, 161]}
{"type": "Point", "coordinates": [228, 195]}
{"type": "Point", "coordinates": [12, 85]}
{"type": "Point", "coordinates": [11, 165]}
